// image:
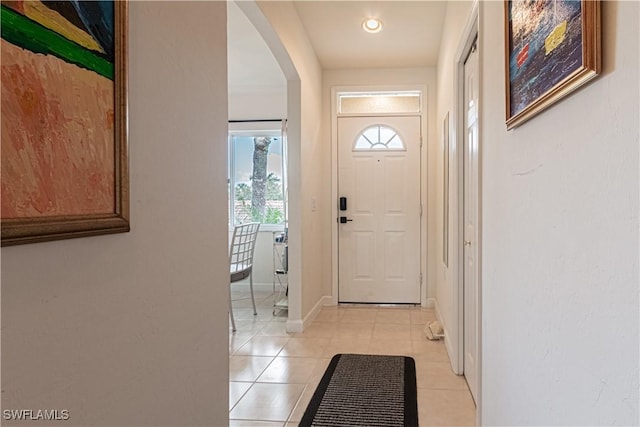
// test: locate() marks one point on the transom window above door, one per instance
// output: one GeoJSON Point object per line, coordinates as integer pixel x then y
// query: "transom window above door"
{"type": "Point", "coordinates": [398, 102]}
{"type": "Point", "coordinates": [379, 137]}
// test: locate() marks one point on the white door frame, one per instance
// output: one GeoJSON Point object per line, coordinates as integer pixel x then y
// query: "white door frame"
{"type": "Point", "coordinates": [470, 33]}
{"type": "Point", "coordinates": [334, 178]}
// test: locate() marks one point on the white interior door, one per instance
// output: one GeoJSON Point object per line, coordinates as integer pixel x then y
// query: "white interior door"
{"type": "Point", "coordinates": [379, 175]}
{"type": "Point", "coordinates": [471, 220]}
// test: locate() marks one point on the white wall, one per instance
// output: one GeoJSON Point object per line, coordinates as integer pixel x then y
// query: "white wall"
{"type": "Point", "coordinates": [308, 175]}
{"type": "Point", "coordinates": [387, 78]}
{"type": "Point", "coordinates": [131, 329]}
{"type": "Point", "coordinates": [458, 14]}
{"type": "Point", "coordinates": [256, 106]}
{"type": "Point", "coordinates": [560, 242]}
{"type": "Point", "coordinates": [263, 258]}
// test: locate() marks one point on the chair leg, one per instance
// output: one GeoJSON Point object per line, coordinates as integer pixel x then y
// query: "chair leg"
{"type": "Point", "coordinates": [233, 321]}
{"type": "Point", "coordinates": [253, 300]}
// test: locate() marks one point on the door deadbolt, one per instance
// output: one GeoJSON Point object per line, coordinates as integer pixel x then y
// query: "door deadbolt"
{"type": "Point", "coordinates": [343, 203]}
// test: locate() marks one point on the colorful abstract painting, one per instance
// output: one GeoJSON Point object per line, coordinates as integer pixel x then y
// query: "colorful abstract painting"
{"type": "Point", "coordinates": [61, 147]}
{"type": "Point", "coordinates": [549, 43]}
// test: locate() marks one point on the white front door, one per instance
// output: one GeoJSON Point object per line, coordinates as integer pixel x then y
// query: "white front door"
{"type": "Point", "coordinates": [471, 177]}
{"type": "Point", "coordinates": [379, 175]}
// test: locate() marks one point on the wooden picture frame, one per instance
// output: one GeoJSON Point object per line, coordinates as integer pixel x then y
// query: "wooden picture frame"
{"type": "Point", "coordinates": [551, 49]}
{"type": "Point", "coordinates": [64, 132]}
{"type": "Point", "coordinates": [445, 191]}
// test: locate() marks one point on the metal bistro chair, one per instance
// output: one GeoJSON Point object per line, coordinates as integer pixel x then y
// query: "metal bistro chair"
{"type": "Point", "coordinates": [241, 251]}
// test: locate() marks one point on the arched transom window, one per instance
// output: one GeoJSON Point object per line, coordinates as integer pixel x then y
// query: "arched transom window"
{"type": "Point", "coordinates": [379, 137]}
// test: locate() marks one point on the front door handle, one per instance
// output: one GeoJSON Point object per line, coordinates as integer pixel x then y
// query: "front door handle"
{"type": "Point", "coordinates": [344, 219]}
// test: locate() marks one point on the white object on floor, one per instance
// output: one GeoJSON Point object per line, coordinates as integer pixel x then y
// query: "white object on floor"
{"type": "Point", "coordinates": [434, 331]}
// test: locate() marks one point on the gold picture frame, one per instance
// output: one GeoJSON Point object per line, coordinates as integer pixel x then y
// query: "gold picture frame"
{"type": "Point", "coordinates": [80, 187]}
{"type": "Point", "coordinates": [551, 49]}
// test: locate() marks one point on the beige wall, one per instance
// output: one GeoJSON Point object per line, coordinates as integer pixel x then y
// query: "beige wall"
{"type": "Point", "coordinates": [132, 329]}
{"type": "Point", "coordinates": [259, 105]}
{"type": "Point", "coordinates": [308, 159]}
{"type": "Point", "coordinates": [386, 78]}
{"type": "Point", "coordinates": [560, 241]}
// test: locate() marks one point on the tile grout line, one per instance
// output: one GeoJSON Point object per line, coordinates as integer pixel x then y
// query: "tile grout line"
{"type": "Point", "coordinates": [414, 338]}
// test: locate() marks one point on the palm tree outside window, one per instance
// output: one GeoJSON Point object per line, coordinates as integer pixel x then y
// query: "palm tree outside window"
{"type": "Point", "coordinates": [257, 177]}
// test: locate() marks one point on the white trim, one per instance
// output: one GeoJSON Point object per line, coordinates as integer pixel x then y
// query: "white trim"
{"type": "Point", "coordinates": [468, 34]}
{"type": "Point", "coordinates": [424, 184]}
{"type": "Point", "coordinates": [274, 126]}
{"type": "Point", "coordinates": [479, 237]}
{"type": "Point", "coordinates": [430, 303]}
{"type": "Point", "coordinates": [378, 89]}
{"type": "Point", "coordinates": [327, 301]}
{"type": "Point", "coordinates": [415, 113]}
{"type": "Point", "coordinates": [457, 328]}
{"type": "Point", "coordinates": [455, 344]}
{"type": "Point", "coordinates": [447, 336]}
{"type": "Point", "coordinates": [424, 193]}
{"type": "Point", "coordinates": [313, 313]}
{"type": "Point", "coordinates": [294, 223]}
{"type": "Point", "coordinates": [270, 131]}
{"type": "Point", "coordinates": [334, 194]}
{"type": "Point", "coordinates": [300, 325]}
{"type": "Point", "coordinates": [294, 326]}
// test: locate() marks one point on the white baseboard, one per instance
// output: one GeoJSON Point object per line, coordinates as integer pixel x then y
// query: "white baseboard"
{"type": "Point", "coordinates": [447, 342]}
{"type": "Point", "coordinates": [301, 325]}
{"type": "Point", "coordinates": [430, 303]}
{"type": "Point", "coordinates": [447, 337]}
{"type": "Point", "coordinates": [329, 301]}
{"type": "Point", "coordinates": [311, 316]}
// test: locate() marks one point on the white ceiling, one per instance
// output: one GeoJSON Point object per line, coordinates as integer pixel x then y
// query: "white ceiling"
{"type": "Point", "coordinates": [410, 38]}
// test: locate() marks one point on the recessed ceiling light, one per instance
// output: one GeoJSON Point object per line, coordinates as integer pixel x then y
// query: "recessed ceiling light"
{"type": "Point", "coordinates": [372, 25]}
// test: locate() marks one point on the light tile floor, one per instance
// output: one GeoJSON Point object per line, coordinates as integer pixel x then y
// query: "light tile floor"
{"type": "Point", "coordinates": [273, 374]}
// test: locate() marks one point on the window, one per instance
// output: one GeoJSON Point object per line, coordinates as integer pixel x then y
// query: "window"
{"type": "Point", "coordinates": [257, 177]}
{"type": "Point", "coordinates": [379, 102]}
{"type": "Point", "coordinates": [378, 137]}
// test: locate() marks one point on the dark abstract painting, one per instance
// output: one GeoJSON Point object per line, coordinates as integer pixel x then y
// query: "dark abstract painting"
{"type": "Point", "coordinates": [546, 47]}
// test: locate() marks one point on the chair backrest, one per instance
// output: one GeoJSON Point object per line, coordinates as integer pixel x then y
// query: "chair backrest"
{"type": "Point", "coordinates": [243, 244]}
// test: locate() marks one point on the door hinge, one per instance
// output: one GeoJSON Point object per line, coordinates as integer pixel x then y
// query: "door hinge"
{"type": "Point", "coordinates": [420, 210]}
{"type": "Point", "coordinates": [421, 278]}
{"type": "Point", "coordinates": [420, 141]}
